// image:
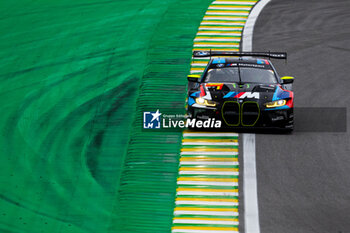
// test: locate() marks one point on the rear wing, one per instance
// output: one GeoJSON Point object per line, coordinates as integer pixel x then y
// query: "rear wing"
{"type": "Point", "coordinates": [210, 53]}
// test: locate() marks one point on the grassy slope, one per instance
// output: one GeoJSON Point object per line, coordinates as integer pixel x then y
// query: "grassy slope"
{"type": "Point", "coordinates": [148, 181]}
{"type": "Point", "coordinates": [70, 73]}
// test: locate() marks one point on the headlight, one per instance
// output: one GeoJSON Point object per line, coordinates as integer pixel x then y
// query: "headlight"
{"type": "Point", "coordinates": [205, 102]}
{"type": "Point", "coordinates": [277, 103]}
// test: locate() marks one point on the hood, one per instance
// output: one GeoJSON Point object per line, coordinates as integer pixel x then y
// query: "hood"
{"type": "Point", "coordinates": [232, 91]}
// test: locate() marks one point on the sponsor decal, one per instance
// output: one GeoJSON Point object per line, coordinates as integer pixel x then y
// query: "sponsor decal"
{"type": "Point", "coordinates": [219, 60]}
{"type": "Point", "coordinates": [277, 118]}
{"type": "Point", "coordinates": [247, 65]}
{"type": "Point", "coordinates": [201, 53]}
{"type": "Point", "coordinates": [243, 95]}
{"type": "Point", "coordinates": [217, 85]}
{"type": "Point", "coordinates": [202, 91]}
{"type": "Point", "coordinates": [262, 61]}
{"type": "Point", "coordinates": [250, 95]}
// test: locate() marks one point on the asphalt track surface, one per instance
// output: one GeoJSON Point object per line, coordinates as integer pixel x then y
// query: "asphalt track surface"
{"type": "Point", "coordinates": [303, 178]}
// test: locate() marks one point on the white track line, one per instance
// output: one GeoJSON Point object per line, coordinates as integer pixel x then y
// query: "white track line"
{"type": "Point", "coordinates": [203, 28]}
{"type": "Point", "coordinates": [208, 183]}
{"type": "Point", "coordinates": [201, 58]}
{"type": "Point", "coordinates": [205, 221]}
{"type": "Point", "coordinates": [228, 163]}
{"type": "Point", "coordinates": [211, 143]}
{"type": "Point", "coordinates": [200, 231]}
{"type": "Point", "coordinates": [216, 23]}
{"type": "Point", "coordinates": [215, 46]}
{"type": "Point", "coordinates": [208, 203]}
{"type": "Point", "coordinates": [224, 18]}
{"type": "Point", "coordinates": [203, 193]}
{"type": "Point", "coordinates": [211, 134]}
{"type": "Point", "coordinates": [211, 213]}
{"type": "Point", "coordinates": [229, 173]}
{"type": "Point", "coordinates": [207, 153]}
{"type": "Point", "coordinates": [251, 207]}
{"type": "Point", "coordinates": [228, 8]}
{"type": "Point", "coordinates": [218, 33]}
{"type": "Point", "coordinates": [233, 2]}
{"type": "Point", "coordinates": [216, 39]}
{"type": "Point", "coordinates": [196, 71]}
{"type": "Point", "coordinates": [198, 64]}
{"type": "Point", "coordinates": [226, 13]}
{"type": "Point", "coordinates": [247, 40]}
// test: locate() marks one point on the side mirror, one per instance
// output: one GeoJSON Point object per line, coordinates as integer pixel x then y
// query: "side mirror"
{"type": "Point", "coordinates": [193, 78]}
{"type": "Point", "coordinates": [287, 79]}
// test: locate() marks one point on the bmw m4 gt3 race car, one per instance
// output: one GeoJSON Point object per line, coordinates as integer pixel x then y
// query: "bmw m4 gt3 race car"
{"type": "Point", "coordinates": [242, 89]}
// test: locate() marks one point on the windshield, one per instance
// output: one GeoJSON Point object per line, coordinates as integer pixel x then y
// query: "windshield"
{"type": "Point", "coordinates": [222, 75]}
{"type": "Point", "coordinates": [248, 75]}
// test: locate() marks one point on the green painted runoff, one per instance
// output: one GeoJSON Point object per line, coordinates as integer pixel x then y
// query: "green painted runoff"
{"type": "Point", "coordinates": [75, 77]}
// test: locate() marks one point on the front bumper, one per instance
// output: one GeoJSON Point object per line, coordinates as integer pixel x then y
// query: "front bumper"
{"type": "Point", "coordinates": [245, 115]}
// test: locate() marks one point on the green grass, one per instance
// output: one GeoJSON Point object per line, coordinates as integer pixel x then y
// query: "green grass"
{"type": "Point", "coordinates": [72, 154]}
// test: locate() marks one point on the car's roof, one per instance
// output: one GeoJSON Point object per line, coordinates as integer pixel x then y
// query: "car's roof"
{"type": "Point", "coordinates": [219, 62]}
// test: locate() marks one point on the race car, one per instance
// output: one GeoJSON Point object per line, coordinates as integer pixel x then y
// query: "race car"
{"type": "Point", "coordinates": [242, 89]}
